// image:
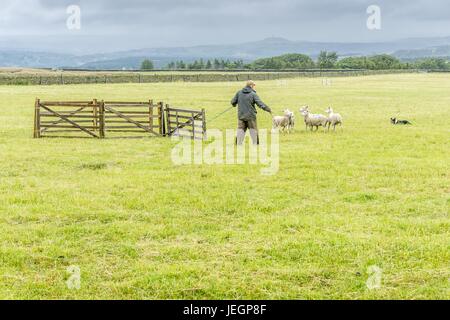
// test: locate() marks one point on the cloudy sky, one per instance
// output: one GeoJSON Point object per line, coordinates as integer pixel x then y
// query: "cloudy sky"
{"type": "Point", "coordinates": [128, 24]}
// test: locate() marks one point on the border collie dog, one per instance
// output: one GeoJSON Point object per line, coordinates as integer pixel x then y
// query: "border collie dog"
{"type": "Point", "coordinates": [395, 121]}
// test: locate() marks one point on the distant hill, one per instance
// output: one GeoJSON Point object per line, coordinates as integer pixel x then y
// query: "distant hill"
{"type": "Point", "coordinates": [14, 58]}
{"type": "Point", "coordinates": [436, 52]}
{"type": "Point", "coordinates": [405, 48]}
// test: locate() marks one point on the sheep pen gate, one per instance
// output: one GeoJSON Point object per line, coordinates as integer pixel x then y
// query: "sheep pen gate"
{"type": "Point", "coordinates": [134, 118]}
{"type": "Point", "coordinates": [66, 118]}
{"type": "Point", "coordinates": [100, 119]}
{"type": "Point", "coordinates": [186, 123]}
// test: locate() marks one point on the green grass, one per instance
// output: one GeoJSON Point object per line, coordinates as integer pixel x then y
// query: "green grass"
{"type": "Point", "coordinates": [139, 227]}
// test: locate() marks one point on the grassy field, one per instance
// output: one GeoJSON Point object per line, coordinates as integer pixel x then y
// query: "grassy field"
{"type": "Point", "coordinates": [139, 227]}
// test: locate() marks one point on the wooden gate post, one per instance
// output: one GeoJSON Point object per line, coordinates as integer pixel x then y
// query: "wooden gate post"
{"type": "Point", "coordinates": [37, 119]}
{"type": "Point", "coordinates": [150, 114]}
{"type": "Point", "coordinates": [101, 115]}
{"type": "Point", "coordinates": [205, 137]}
{"type": "Point", "coordinates": [193, 125]}
{"type": "Point", "coordinates": [161, 119]}
{"type": "Point", "coordinates": [95, 114]}
{"type": "Point", "coordinates": [167, 121]}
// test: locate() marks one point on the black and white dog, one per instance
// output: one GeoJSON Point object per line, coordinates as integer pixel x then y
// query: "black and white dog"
{"type": "Point", "coordinates": [395, 121]}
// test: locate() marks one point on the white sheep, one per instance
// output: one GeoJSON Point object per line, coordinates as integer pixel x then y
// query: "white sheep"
{"type": "Point", "coordinates": [334, 119]}
{"type": "Point", "coordinates": [292, 122]}
{"type": "Point", "coordinates": [283, 122]}
{"type": "Point", "coordinates": [313, 120]}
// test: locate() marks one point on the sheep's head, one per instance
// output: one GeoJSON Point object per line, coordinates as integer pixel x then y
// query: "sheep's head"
{"type": "Point", "coordinates": [393, 120]}
{"type": "Point", "coordinates": [304, 110]}
{"type": "Point", "coordinates": [329, 110]}
{"type": "Point", "coordinates": [288, 113]}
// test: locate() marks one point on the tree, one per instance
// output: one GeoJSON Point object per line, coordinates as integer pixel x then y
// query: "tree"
{"type": "Point", "coordinates": [180, 65]}
{"type": "Point", "coordinates": [240, 64]}
{"type": "Point", "coordinates": [216, 64]}
{"type": "Point", "coordinates": [208, 65]}
{"type": "Point", "coordinates": [194, 66]}
{"type": "Point", "coordinates": [171, 66]}
{"type": "Point", "coordinates": [147, 65]}
{"type": "Point", "coordinates": [385, 62]}
{"type": "Point", "coordinates": [355, 63]}
{"type": "Point", "coordinates": [327, 60]}
{"type": "Point", "coordinates": [287, 61]}
{"type": "Point", "coordinates": [432, 64]}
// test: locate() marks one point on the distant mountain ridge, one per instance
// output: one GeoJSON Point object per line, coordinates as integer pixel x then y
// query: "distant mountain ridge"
{"type": "Point", "coordinates": [405, 49]}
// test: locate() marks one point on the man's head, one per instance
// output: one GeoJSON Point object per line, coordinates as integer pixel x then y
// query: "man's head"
{"type": "Point", "coordinates": [251, 84]}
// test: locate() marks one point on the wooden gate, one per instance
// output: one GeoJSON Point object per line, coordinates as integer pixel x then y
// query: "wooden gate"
{"type": "Point", "coordinates": [186, 123]}
{"type": "Point", "coordinates": [134, 118]}
{"type": "Point", "coordinates": [54, 119]}
{"type": "Point", "coordinates": [98, 119]}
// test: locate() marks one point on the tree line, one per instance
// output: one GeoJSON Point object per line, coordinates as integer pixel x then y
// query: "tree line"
{"type": "Point", "coordinates": [215, 64]}
{"type": "Point", "coordinates": [325, 60]}
{"type": "Point", "coordinates": [330, 60]}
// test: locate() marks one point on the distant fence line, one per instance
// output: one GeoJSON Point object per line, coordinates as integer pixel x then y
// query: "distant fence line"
{"type": "Point", "coordinates": [62, 78]}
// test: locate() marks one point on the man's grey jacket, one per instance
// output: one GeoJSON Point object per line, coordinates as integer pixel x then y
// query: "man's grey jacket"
{"type": "Point", "coordinates": [247, 99]}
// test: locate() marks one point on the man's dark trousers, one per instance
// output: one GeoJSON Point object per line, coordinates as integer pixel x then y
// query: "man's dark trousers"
{"type": "Point", "coordinates": [252, 126]}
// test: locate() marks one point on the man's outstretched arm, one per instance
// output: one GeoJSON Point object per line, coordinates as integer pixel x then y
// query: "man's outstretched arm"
{"type": "Point", "coordinates": [234, 101]}
{"type": "Point", "coordinates": [261, 104]}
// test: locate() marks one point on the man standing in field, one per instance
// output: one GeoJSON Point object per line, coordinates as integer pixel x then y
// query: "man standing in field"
{"type": "Point", "coordinates": [246, 99]}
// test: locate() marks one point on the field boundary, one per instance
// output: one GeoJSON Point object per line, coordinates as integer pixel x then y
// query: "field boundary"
{"type": "Point", "coordinates": [112, 119]}
{"type": "Point", "coordinates": [104, 77]}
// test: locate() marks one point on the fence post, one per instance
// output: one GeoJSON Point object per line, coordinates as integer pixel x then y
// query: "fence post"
{"type": "Point", "coordinates": [205, 137]}
{"type": "Point", "coordinates": [101, 115]}
{"type": "Point", "coordinates": [193, 125]}
{"type": "Point", "coordinates": [150, 114]}
{"type": "Point", "coordinates": [161, 119]}
{"type": "Point", "coordinates": [37, 119]}
{"type": "Point", "coordinates": [95, 114]}
{"type": "Point", "coordinates": [167, 132]}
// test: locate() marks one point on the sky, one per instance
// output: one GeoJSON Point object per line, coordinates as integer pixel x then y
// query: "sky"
{"type": "Point", "coordinates": [109, 25]}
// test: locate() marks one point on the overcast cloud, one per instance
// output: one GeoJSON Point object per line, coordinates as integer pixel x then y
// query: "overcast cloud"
{"type": "Point", "coordinates": [128, 24]}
